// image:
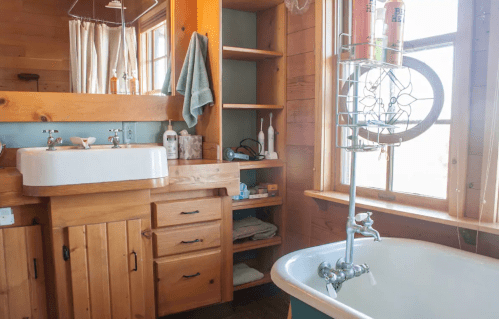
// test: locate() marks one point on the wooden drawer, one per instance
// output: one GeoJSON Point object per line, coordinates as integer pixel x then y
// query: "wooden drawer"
{"type": "Point", "coordinates": [184, 239]}
{"type": "Point", "coordinates": [188, 282]}
{"type": "Point", "coordinates": [188, 211]}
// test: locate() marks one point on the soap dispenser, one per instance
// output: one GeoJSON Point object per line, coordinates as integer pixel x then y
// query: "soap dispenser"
{"type": "Point", "coordinates": [170, 142]}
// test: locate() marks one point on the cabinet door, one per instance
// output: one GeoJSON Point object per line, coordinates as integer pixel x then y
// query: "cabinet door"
{"type": "Point", "coordinates": [22, 280]}
{"type": "Point", "coordinates": [108, 270]}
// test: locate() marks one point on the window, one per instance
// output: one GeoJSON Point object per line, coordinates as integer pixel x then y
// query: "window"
{"type": "Point", "coordinates": [154, 58]}
{"type": "Point", "coordinates": [419, 169]}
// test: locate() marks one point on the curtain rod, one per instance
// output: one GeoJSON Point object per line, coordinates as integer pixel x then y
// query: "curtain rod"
{"type": "Point", "coordinates": [104, 21]}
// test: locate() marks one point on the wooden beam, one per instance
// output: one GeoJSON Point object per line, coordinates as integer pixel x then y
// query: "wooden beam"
{"type": "Point", "coordinates": [71, 107]}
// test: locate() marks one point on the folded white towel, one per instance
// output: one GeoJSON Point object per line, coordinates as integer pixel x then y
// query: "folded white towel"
{"type": "Point", "coordinates": [244, 274]}
{"type": "Point", "coordinates": [254, 228]}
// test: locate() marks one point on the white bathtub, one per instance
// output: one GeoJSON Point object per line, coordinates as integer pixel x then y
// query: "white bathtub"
{"type": "Point", "coordinates": [416, 280]}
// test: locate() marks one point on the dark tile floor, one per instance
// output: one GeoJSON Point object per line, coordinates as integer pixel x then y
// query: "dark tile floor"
{"type": "Point", "coordinates": [264, 302]}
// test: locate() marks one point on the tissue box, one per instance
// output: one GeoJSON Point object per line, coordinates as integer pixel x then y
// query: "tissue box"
{"type": "Point", "coordinates": [190, 147]}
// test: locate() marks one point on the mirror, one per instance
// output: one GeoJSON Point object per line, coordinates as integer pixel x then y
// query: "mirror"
{"type": "Point", "coordinates": [44, 49]}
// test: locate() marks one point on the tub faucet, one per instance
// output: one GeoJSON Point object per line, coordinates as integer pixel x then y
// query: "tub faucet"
{"type": "Point", "coordinates": [51, 141]}
{"type": "Point", "coordinates": [366, 228]}
{"type": "Point", "coordinates": [115, 139]}
{"type": "Point", "coordinates": [336, 277]}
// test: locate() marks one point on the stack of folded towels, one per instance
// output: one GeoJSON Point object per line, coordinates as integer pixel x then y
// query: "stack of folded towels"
{"type": "Point", "coordinates": [244, 274]}
{"type": "Point", "coordinates": [253, 228]}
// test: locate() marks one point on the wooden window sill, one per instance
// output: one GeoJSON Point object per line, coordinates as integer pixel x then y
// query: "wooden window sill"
{"type": "Point", "coordinates": [429, 215]}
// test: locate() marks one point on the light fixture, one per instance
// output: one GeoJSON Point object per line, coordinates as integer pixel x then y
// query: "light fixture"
{"type": "Point", "coordinates": [114, 4]}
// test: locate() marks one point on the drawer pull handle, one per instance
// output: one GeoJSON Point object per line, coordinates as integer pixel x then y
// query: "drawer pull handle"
{"type": "Point", "coordinates": [136, 263]}
{"type": "Point", "coordinates": [192, 276]}
{"type": "Point", "coordinates": [35, 268]}
{"type": "Point", "coordinates": [190, 213]}
{"type": "Point", "coordinates": [191, 242]}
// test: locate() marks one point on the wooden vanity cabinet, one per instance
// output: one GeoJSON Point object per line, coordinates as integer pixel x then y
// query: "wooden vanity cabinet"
{"type": "Point", "coordinates": [22, 278]}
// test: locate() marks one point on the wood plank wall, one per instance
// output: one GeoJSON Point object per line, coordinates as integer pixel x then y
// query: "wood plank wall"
{"type": "Point", "coordinates": [34, 38]}
{"type": "Point", "coordinates": [312, 222]}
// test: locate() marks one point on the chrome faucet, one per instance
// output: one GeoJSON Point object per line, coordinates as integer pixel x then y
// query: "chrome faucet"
{"type": "Point", "coordinates": [336, 277]}
{"type": "Point", "coordinates": [115, 139]}
{"type": "Point", "coordinates": [366, 228]}
{"type": "Point", "coordinates": [51, 141]}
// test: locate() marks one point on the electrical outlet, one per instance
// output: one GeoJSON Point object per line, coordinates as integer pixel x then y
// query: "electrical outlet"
{"type": "Point", "coordinates": [129, 132]}
{"type": "Point", "coordinates": [6, 216]}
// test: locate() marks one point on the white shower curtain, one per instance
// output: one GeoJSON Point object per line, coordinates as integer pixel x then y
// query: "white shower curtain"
{"type": "Point", "coordinates": [95, 51]}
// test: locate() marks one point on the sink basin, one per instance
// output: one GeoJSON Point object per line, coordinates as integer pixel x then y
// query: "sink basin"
{"type": "Point", "coordinates": [69, 165]}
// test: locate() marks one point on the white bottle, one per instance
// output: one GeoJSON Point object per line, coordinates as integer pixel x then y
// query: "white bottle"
{"type": "Point", "coordinates": [271, 133]}
{"type": "Point", "coordinates": [170, 142]}
{"type": "Point", "coordinates": [261, 138]}
{"type": "Point", "coordinates": [381, 38]}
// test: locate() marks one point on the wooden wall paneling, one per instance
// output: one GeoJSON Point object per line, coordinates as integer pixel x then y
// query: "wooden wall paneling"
{"type": "Point", "coordinates": [209, 22]}
{"type": "Point", "coordinates": [119, 269]}
{"type": "Point", "coordinates": [16, 266]}
{"type": "Point", "coordinates": [36, 270]}
{"type": "Point", "coordinates": [301, 87]}
{"type": "Point", "coordinates": [98, 271]}
{"type": "Point", "coordinates": [4, 298]}
{"type": "Point", "coordinates": [72, 107]}
{"type": "Point", "coordinates": [184, 23]}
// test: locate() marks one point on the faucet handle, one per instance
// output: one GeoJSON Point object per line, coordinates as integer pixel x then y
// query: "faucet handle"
{"type": "Point", "coordinates": [363, 216]}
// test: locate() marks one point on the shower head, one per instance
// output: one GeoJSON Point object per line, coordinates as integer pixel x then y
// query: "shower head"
{"type": "Point", "coordinates": [114, 4]}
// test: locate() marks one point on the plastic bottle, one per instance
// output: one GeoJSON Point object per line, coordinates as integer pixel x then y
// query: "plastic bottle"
{"type": "Point", "coordinates": [133, 83]}
{"type": "Point", "coordinates": [363, 19]}
{"type": "Point", "coordinates": [395, 20]}
{"type": "Point", "coordinates": [381, 39]}
{"type": "Point", "coordinates": [271, 133]}
{"type": "Point", "coordinates": [261, 138]}
{"type": "Point", "coordinates": [170, 142]}
{"type": "Point", "coordinates": [114, 83]}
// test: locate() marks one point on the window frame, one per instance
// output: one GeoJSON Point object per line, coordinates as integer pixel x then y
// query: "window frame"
{"type": "Point", "coordinates": [327, 168]}
{"type": "Point", "coordinates": [147, 61]}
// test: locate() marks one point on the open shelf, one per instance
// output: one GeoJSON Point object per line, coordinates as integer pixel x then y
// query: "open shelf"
{"type": "Point", "coordinates": [256, 244]}
{"type": "Point", "coordinates": [245, 54]}
{"type": "Point", "coordinates": [252, 107]}
{"type": "Point", "coordinates": [266, 279]}
{"type": "Point", "coordinates": [250, 5]}
{"type": "Point", "coordinates": [244, 165]}
{"type": "Point", "coordinates": [256, 202]}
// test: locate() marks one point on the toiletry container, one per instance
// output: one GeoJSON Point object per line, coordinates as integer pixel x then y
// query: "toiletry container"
{"type": "Point", "coordinates": [113, 87]}
{"type": "Point", "coordinates": [363, 20]}
{"type": "Point", "coordinates": [381, 38]}
{"type": "Point", "coordinates": [395, 20]}
{"type": "Point", "coordinates": [133, 83]}
{"type": "Point", "coordinates": [170, 142]}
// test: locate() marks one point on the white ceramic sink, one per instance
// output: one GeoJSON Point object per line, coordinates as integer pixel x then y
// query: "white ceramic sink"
{"type": "Point", "coordinates": [69, 165]}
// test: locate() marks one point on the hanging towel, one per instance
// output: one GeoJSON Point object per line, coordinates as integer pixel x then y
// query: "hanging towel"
{"type": "Point", "coordinates": [244, 274]}
{"type": "Point", "coordinates": [193, 82]}
{"type": "Point", "coordinates": [254, 228]}
{"type": "Point", "coordinates": [167, 85]}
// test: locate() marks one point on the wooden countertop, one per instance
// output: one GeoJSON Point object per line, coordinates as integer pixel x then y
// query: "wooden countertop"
{"type": "Point", "coordinates": [184, 175]}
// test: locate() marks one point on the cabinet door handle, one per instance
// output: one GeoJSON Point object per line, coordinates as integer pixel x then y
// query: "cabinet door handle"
{"type": "Point", "coordinates": [190, 213]}
{"type": "Point", "coordinates": [191, 242]}
{"type": "Point", "coordinates": [136, 264]}
{"type": "Point", "coordinates": [192, 276]}
{"type": "Point", "coordinates": [35, 268]}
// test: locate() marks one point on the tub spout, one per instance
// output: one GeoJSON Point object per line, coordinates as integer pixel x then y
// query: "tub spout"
{"type": "Point", "coordinates": [370, 232]}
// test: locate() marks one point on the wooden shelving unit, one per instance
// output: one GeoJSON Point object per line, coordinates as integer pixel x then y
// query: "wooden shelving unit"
{"type": "Point", "coordinates": [256, 244]}
{"type": "Point", "coordinates": [252, 107]}
{"type": "Point", "coordinates": [245, 165]}
{"type": "Point", "coordinates": [265, 280]}
{"type": "Point", "coordinates": [250, 5]}
{"type": "Point", "coordinates": [256, 203]}
{"type": "Point", "coordinates": [245, 54]}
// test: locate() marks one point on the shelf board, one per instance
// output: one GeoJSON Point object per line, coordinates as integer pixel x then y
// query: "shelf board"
{"type": "Point", "coordinates": [265, 280]}
{"type": "Point", "coordinates": [252, 107]}
{"type": "Point", "coordinates": [250, 5]}
{"type": "Point", "coordinates": [256, 202]}
{"type": "Point", "coordinates": [245, 165]}
{"type": "Point", "coordinates": [256, 244]}
{"type": "Point", "coordinates": [245, 54]}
